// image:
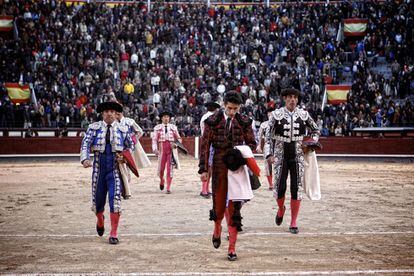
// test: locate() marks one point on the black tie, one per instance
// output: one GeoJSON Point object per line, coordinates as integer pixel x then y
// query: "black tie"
{"type": "Point", "coordinates": [228, 127]}
{"type": "Point", "coordinates": [108, 134]}
{"type": "Point", "coordinates": [166, 130]}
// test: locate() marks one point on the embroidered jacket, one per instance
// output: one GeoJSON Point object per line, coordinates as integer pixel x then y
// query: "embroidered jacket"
{"type": "Point", "coordinates": [160, 135]}
{"type": "Point", "coordinates": [94, 139]}
{"type": "Point", "coordinates": [288, 129]}
{"type": "Point", "coordinates": [285, 126]}
{"type": "Point", "coordinates": [133, 127]}
{"type": "Point", "coordinates": [215, 134]}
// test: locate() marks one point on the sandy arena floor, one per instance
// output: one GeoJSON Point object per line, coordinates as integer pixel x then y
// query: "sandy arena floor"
{"type": "Point", "coordinates": [363, 224]}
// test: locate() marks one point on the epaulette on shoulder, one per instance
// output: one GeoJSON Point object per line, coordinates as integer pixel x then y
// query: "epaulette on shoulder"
{"type": "Point", "coordinates": [123, 128]}
{"type": "Point", "coordinates": [303, 114]}
{"type": "Point", "coordinates": [278, 113]}
{"type": "Point", "coordinates": [215, 118]}
{"type": "Point", "coordinates": [130, 121]}
{"type": "Point", "coordinates": [244, 120]}
{"type": "Point", "coordinates": [95, 126]}
{"type": "Point", "coordinates": [157, 127]}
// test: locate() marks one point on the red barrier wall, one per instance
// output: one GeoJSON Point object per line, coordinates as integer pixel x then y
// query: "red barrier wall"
{"type": "Point", "coordinates": [365, 145]}
{"type": "Point", "coordinates": [339, 145]}
{"type": "Point", "coordinates": [36, 145]}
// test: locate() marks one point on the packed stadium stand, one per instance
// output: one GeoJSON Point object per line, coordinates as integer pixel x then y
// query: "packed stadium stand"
{"type": "Point", "coordinates": [59, 60]}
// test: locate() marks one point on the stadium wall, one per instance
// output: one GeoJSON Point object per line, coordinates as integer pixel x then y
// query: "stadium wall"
{"type": "Point", "coordinates": [331, 145]}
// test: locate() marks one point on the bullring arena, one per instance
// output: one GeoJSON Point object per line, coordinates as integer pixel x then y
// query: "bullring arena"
{"type": "Point", "coordinates": [364, 224]}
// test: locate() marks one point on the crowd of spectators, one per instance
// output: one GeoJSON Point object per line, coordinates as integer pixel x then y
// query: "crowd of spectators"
{"type": "Point", "coordinates": [178, 57]}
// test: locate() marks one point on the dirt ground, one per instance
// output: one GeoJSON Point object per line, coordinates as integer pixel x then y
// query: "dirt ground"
{"type": "Point", "coordinates": [363, 223]}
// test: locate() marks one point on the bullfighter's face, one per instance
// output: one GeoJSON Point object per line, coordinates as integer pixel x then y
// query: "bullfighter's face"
{"type": "Point", "coordinates": [165, 119]}
{"type": "Point", "coordinates": [109, 116]}
{"type": "Point", "coordinates": [231, 109]}
{"type": "Point", "coordinates": [291, 102]}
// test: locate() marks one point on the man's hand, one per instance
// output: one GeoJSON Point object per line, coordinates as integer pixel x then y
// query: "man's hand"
{"type": "Point", "coordinates": [259, 150]}
{"type": "Point", "coordinates": [156, 152]}
{"type": "Point", "coordinates": [87, 163]}
{"type": "Point", "coordinates": [270, 159]}
{"type": "Point", "coordinates": [204, 176]}
{"type": "Point", "coordinates": [120, 158]}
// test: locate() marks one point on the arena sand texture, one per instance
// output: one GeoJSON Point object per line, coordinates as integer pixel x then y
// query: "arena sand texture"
{"type": "Point", "coordinates": [364, 224]}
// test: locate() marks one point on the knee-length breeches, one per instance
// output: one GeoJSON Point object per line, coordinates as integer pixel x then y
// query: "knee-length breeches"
{"type": "Point", "coordinates": [106, 181]}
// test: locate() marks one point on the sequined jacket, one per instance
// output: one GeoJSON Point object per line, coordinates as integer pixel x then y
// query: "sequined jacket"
{"type": "Point", "coordinates": [261, 135]}
{"type": "Point", "coordinates": [133, 127]}
{"type": "Point", "coordinates": [160, 136]}
{"type": "Point", "coordinates": [94, 139]}
{"type": "Point", "coordinates": [285, 126]}
{"type": "Point", "coordinates": [288, 127]}
{"type": "Point", "coordinates": [216, 136]}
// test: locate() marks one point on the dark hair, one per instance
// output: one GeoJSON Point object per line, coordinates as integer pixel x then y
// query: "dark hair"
{"type": "Point", "coordinates": [290, 91]}
{"type": "Point", "coordinates": [233, 97]}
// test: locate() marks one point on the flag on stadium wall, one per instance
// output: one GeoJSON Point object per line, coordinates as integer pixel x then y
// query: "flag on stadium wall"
{"type": "Point", "coordinates": [6, 23]}
{"type": "Point", "coordinates": [337, 93]}
{"type": "Point", "coordinates": [18, 93]}
{"type": "Point", "coordinates": [355, 26]}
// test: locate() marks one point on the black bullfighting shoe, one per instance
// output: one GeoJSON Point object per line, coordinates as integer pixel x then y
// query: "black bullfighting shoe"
{"type": "Point", "coordinates": [232, 256]}
{"type": "Point", "coordinates": [294, 230]}
{"type": "Point", "coordinates": [205, 195]}
{"type": "Point", "coordinates": [100, 230]}
{"type": "Point", "coordinates": [113, 240]}
{"type": "Point", "coordinates": [278, 219]}
{"type": "Point", "coordinates": [216, 242]}
{"type": "Point", "coordinates": [161, 187]}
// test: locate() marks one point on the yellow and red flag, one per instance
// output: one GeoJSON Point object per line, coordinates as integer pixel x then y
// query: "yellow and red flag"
{"type": "Point", "coordinates": [6, 23]}
{"type": "Point", "coordinates": [337, 93]}
{"type": "Point", "coordinates": [18, 93]}
{"type": "Point", "coordinates": [355, 26]}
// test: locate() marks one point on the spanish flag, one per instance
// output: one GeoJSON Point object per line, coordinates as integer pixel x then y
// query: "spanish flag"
{"type": "Point", "coordinates": [6, 23]}
{"type": "Point", "coordinates": [337, 93]}
{"type": "Point", "coordinates": [18, 93]}
{"type": "Point", "coordinates": [355, 26]}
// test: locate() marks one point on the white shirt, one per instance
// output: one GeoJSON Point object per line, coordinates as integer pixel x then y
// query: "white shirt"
{"type": "Point", "coordinates": [156, 98]}
{"type": "Point", "coordinates": [153, 54]}
{"type": "Point", "coordinates": [134, 58]}
{"type": "Point", "coordinates": [155, 80]}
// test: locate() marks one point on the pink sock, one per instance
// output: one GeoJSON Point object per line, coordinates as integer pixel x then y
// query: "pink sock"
{"type": "Point", "coordinates": [294, 209]}
{"type": "Point", "coordinates": [100, 217]}
{"type": "Point", "coordinates": [281, 204]}
{"type": "Point", "coordinates": [114, 224]}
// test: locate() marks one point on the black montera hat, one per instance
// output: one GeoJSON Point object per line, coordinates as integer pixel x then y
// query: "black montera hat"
{"type": "Point", "coordinates": [312, 144]}
{"type": "Point", "coordinates": [109, 106]}
{"type": "Point", "coordinates": [165, 112]}
{"type": "Point", "coordinates": [233, 159]}
{"type": "Point", "coordinates": [290, 91]}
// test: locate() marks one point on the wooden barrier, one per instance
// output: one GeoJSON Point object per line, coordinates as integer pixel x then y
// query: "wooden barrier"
{"type": "Point", "coordinates": [331, 145]}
